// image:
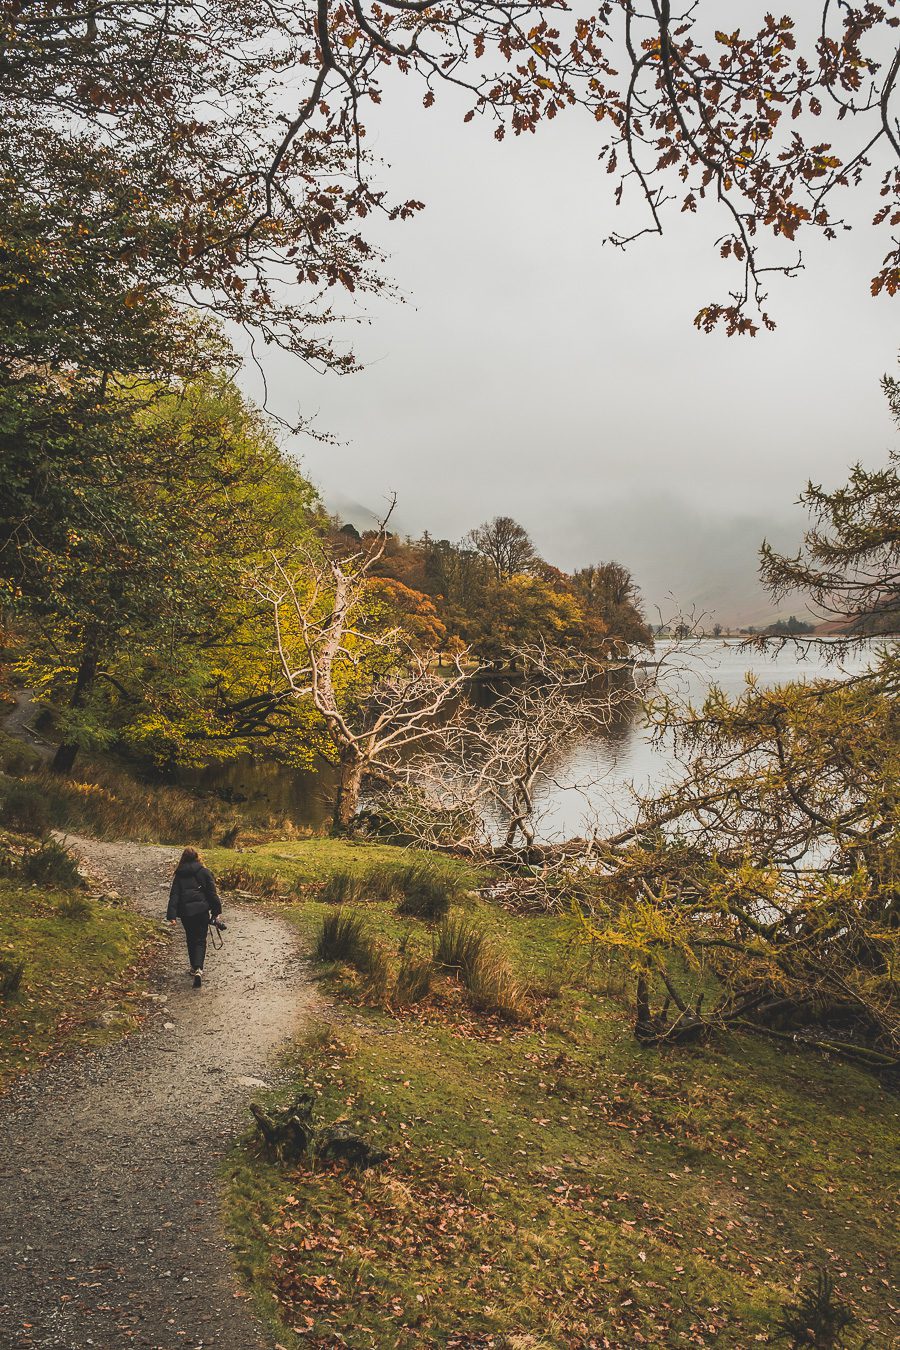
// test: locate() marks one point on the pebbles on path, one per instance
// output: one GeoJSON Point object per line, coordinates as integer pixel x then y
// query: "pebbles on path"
{"type": "Point", "coordinates": [111, 1234]}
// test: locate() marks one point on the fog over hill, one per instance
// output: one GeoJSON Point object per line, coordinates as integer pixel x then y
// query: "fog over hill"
{"type": "Point", "coordinates": [682, 557]}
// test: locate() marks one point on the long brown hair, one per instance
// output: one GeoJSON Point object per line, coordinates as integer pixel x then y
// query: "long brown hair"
{"type": "Point", "coordinates": [190, 855]}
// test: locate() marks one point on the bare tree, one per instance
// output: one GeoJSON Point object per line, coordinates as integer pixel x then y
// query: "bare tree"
{"type": "Point", "coordinates": [506, 544]}
{"type": "Point", "coordinates": [376, 694]}
{"type": "Point", "coordinates": [478, 783]}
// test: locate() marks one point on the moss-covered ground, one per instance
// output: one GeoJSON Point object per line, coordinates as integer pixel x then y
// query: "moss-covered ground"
{"type": "Point", "coordinates": [553, 1184]}
{"type": "Point", "coordinates": [80, 957]}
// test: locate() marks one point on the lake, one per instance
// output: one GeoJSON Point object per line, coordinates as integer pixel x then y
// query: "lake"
{"type": "Point", "coordinates": [628, 756]}
{"type": "Point", "coordinates": [593, 777]}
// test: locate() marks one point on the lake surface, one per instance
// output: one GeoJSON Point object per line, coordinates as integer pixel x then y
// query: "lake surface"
{"type": "Point", "coordinates": [593, 778]}
{"type": "Point", "coordinates": [627, 759]}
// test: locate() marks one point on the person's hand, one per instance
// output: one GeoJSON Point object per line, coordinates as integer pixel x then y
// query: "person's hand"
{"type": "Point", "coordinates": [173, 921]}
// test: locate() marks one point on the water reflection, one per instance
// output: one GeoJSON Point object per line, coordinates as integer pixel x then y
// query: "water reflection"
{"type": "Point", "coordinates": [266, 791]}
{"type": "Point", "coordinates": [627, 760]}
{"type": "Point", "coordinates": [591, 779]}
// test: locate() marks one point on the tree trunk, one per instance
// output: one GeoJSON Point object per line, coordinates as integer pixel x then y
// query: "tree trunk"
{"type": "Point", "coordinates": [66, 751]}
{"type": "Point", "coordinates": [644, 1028]}
{"type": "Point", "coordinates": [349, 788]}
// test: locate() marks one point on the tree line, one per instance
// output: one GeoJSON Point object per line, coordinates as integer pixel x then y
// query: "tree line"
{"type": "Point", "coordinates": [491, 594]}
{"type": "Point", "coordinates": [134, 522]}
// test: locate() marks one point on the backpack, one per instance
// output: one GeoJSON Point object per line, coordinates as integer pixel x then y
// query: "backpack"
{"type": "Point", "coordinates": [192, 898]}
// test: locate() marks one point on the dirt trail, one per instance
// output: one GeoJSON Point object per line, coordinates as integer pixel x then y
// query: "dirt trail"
{"type": "Point", "coordinates": [18, 723]}
{"type": "Point", "coordinates": [110, 1233]}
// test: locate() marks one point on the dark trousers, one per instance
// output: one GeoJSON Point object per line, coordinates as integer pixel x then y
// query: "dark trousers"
{"type": "Point", "coordinates": [195, 931]}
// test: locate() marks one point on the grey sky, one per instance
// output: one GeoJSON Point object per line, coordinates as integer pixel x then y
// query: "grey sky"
{"type": "Point", "coordinates": [534, 372]}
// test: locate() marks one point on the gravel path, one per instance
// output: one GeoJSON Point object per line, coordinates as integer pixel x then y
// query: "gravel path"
{"type": "Point", "coordinates": [110, 1233]}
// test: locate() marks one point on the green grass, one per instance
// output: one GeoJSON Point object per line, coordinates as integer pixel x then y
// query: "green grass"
{"type": "Point", "coordinates": [78, 982]}
{"type": "Point", "coordinates": [311, 862]}
{"type": "Point", "coordinates": [555, 1184]}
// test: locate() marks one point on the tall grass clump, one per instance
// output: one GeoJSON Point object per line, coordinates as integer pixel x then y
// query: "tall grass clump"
{"type": "Point", "coordinates": [344, 937]}
{"type": "Point", "coordinates": [428, 889]}
{"type": "Point", "coordinates": [492, 985]}
{"type": "Point", "coordinates": [74, 908]}
{"type": "Point", "coordinates": [458, 946]}
{"type": "Point", "coordinates": [51, 865]}
{"type": "Point", "coordinates": [264, 883]}
{"type": "Point", "coordinates": [11, 972]}
{"type": "Point", "coordinates": [344, 887]}
{"type": "Point", "coordinates": [421, 887]}
{"type": "Point", "coordinates": [495, 988]}
{"type": "Point", "coordinates": [413, 984]}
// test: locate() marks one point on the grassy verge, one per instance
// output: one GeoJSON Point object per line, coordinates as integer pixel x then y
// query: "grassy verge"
{"type": "Point", "coordinates": [551, 1183]}
{"type": "Point", "coordinates": [79, 958]}
{"type": "Point", "coordinates": [106, 799]}
{"type": "Point", "coordinates": [307, 863]}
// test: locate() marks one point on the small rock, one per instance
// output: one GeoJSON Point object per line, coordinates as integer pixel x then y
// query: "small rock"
{"type": "Point", "coordinates": [169, 1026]}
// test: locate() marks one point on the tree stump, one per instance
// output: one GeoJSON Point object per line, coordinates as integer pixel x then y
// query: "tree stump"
{"type": "Point", "coordinates": [286, 1131]}
{"type": "Point", "coordinates": [289, 1134]}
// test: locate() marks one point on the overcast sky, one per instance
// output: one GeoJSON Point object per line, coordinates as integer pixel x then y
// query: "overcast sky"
{"type": "Point", "coordinates": [533, 371]}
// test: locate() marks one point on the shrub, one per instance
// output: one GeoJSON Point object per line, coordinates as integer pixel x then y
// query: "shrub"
{"type": "Point", "coordinates": [74, 907]}
{"type": "Point", "coordinates": [11, 972]}
{"type": "Point", "coordinates": [16, 758]}
{"type": "Point", "coordinates": [24, 806]}
{"type": "Point", "coordinates": [458, 946]}
{"type": "Point", "coordinates": [413, 982]}
{"type": "Point", "coordinates": [265, 884]}
{"type": "Point", "coordinates": [51, 865]}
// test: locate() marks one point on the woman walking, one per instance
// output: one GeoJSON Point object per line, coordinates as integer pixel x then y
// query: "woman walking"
{"type": "Point", "coordinates": [194, 900]}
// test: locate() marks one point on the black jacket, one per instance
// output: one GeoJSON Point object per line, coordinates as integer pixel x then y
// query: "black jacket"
{"type": "Point", "coordinates": [193, 893]}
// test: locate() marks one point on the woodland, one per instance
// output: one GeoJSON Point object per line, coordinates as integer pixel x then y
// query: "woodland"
{"type": "Point", "coordinates": [174, 594]}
